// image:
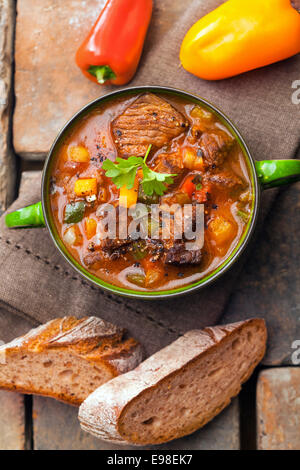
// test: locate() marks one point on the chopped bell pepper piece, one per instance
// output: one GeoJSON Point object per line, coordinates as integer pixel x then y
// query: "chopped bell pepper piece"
{"type": "Point", "coordinates": [90, 227]}
{"type": "Point", "coordinates": [85, 187]}
{"type": "Point", "coordinates": [74, 212]}
{"type": "Point", "coordinates": [79, 154]}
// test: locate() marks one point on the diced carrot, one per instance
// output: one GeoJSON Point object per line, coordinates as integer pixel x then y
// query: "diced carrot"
{"type": "Point", "coordinates": [188, 186]}
{"type": "Point", "coordinates": [79, 154]}
{"type": "Point", "coordinates": [90, 227]}
{"type": "Point", "coordinates": [128, 197]}
{"type": "Point", "coordinates": [85, 187]}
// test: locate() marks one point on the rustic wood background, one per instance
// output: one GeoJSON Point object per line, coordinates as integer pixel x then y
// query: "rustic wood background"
{"type": "Point", "coordinates": [33, 107]}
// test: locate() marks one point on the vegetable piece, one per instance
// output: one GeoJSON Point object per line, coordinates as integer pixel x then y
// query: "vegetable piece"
{"type": "Point", "coordinates": [153, 277]}
{"type": "Point", "coordinates": [111, 52]}
{"type": "Point", "coordinates": [79, 154]}
{"type": "Point", "coordinates": [74, 212]}
{"type": "Point", "coordinates": [201, 113]}
{"type": "Point", "coordinates": [241, 36]}
{"type": "Point", "coordinates": [146, 199]}
{"type": "Point", "coordinates": [188, 186]}
{"type": "Point", "coordinates": [194, 188]}
{"type": "Point", "coordinates": [138, 279]}
{"type": "Point", "coordinates": [85, 187]}
{"type": "Point", "coordinates": [103, 195]}
{"type": "Point", "coordinates": [128, 197]}
{"type": "Point", "coordinates": [243, 215]}
{"type": "Point", "coordinates": [123, 173]}
{"type": "Point", "coordinates": [221, 230]}
{"type": "Point", "coordinates": [73, 236]}
{"type": "Point", "coordinates": [191, 160]}
{"type": "Point", "coordinates": [154, 272]}
{"type": "Point", "coordinates": [90, 227]}
{"type": "Point", "coordinates": [245, 197]}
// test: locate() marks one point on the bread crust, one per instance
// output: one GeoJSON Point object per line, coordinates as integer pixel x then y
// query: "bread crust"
{"type": "Point", "coordinates": [90, 338]}
{"type": "Point", "coordinates": [102, 412]}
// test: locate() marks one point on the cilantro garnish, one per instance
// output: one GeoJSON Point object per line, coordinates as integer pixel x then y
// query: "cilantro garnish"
{"type": "Point", "coordinates": [123, 172]}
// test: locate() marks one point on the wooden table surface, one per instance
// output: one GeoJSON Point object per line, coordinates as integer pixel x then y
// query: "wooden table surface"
{"type": "Point", "coordinates": [48, 88]}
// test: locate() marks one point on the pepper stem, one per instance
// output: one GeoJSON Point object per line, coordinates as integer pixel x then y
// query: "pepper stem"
{"type": "Point", "coordinates": [102, 73]}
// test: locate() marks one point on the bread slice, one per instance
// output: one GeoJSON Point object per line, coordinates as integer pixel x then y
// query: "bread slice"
{"type": "Point", "coordinates": [67, 358]}
{"type": "Point", "coordinates": [179, 389]}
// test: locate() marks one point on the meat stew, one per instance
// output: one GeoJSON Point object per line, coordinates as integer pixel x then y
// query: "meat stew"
{"type": "Point", "coordinates": [206, 165]}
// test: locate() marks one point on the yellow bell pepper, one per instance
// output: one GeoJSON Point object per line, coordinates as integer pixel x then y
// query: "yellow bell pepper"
{"type": "Point", "coordinates": [79, 154]}
{"type": "Point", "coordinates": [239, 36]}
{"type": "Point", "coordinates": [128, 197]}
{"type": "Point", "coordinates": [85, 187]}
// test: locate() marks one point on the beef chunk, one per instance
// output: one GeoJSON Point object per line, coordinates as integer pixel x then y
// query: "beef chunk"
{"type": "Point", "coordinates": [170, 163]}
{"type": "Point", "coordinates": [112, 249]}
{"type": "Point", "coordinates": [115, 247]}
{"type": "Point", "coordinates": [148, 120]}
{"type": "Point", "coordinates": [179, 255]}
{"type": "Point", "coordinates": [224, 179]}
{"type": "Point", "coordinates": [215, 147]}
{"type": "Point", "coordinates": [92, 258]}
{"type": "Point", "coordinates": [175, 251]}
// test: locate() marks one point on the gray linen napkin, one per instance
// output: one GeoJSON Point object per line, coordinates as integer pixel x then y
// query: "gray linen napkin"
{"type": "Point", "coordinates": [36, 284]}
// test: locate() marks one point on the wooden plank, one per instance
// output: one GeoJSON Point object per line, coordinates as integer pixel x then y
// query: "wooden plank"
{"type": "Point", "coordinates": [12, 421]}
{"type": "Point", "coordinates": [60, 26]}
{"type": "Point", "coordinates": [7, 161]}
{"type": "Point", "coordinates": [278, 409]}
{"type": "Point", "coordinates": [56, 427]}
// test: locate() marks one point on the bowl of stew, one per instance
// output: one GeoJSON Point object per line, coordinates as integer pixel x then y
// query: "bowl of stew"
{"type": "Point", "coordinates": [201, 159]}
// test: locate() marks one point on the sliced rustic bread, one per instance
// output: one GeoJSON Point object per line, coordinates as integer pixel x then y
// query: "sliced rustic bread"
{"type": "Point", "coordinates": [67, 358]}
{"type": "Point", "coordinates": [179, 389]}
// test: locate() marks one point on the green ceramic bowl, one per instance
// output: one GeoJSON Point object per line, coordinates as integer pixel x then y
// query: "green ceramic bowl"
{"type": "Point", "coordinates": [264, 174]}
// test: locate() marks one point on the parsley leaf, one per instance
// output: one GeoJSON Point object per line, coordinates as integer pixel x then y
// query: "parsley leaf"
{"type": "Point", "coordinates": [123, 173]}
{"type": "Point", "coordinates": [154, 182]}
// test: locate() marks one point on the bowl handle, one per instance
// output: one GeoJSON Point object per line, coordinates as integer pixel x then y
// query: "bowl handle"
{"type": "Point", "coordinates": [30, 216]}
{"type": "Point", "coordinates": [272, 173]}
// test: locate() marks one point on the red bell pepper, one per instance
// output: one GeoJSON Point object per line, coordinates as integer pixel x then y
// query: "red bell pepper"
{"type": "Point", "coordinates": [188, 186]}
{"type": "Point", "coordinates": [111, 52]}
{"type": "Point", "coordinates": [195, 189]}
